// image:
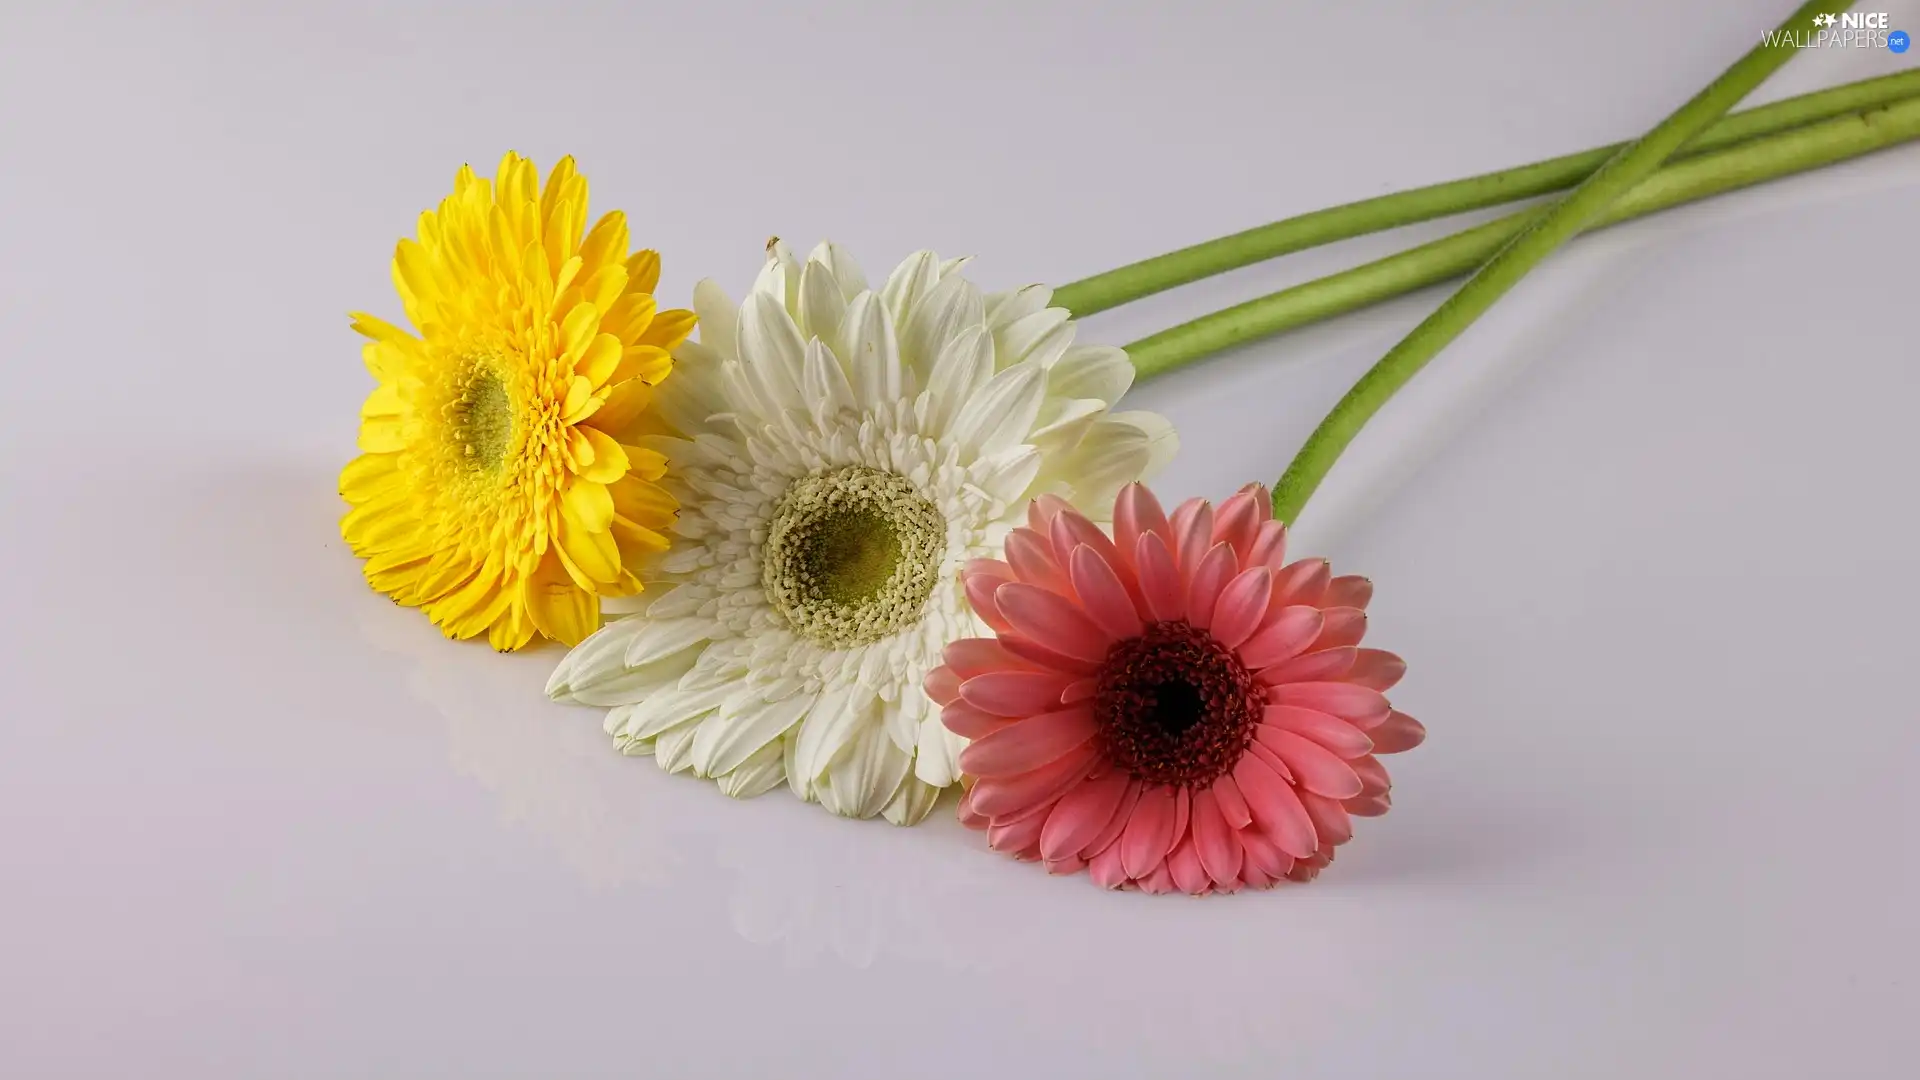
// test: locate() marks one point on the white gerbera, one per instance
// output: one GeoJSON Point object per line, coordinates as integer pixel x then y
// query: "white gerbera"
{"type": "Point", "coordinates": [838, 455]}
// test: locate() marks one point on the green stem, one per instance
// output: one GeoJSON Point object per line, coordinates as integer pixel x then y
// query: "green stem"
{"type": "Point", "coordinates": [1540, 238]}
{"type": "Point", "coordinates": [1698, 177]}
{"type": "Point", "coordinates": [1149, 276]}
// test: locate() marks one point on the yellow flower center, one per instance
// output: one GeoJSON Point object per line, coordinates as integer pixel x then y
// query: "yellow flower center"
{"type": "Point", "coordinates": [852, 555]}
{"type": "Point", "coordinates": [483, 419]}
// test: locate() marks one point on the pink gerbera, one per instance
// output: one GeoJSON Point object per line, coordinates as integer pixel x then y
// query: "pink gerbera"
{"type": "Point", "coordinates": [1174, 707]}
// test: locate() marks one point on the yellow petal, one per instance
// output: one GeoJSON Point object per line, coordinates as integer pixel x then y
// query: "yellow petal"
{"type": "Point", "coordinates": [668, 329]}
{"type": "Point", "coordinates": [644, 463]}
{"type": "Point", "coordinates": [368, 475]}
{"type": "Point", "coordinates": [587, 505]}
{"type": "Point", "coordinates": [643, 270]}
{"type": "Point", "coordinates": [609, 462]}
{"type": "Point", "coordinates": [384, 401]}
{"type": "Point", "coordinates": [628, 317]}
{"type": "Point", "coordinates": [636, 540]}
{"type": "Point", "coordinates": [605, 286]}
{"type": "Point", "coordinates": [642, 503]}
{"type": "Point", "coordinates": [578, 331]}
{"type": "Point", "coordinates": [382, 434]}
{"type": "Point", "coordinates": [599, 364]}
{"type": "Point", "coordinates": [569, 270]}
{"type": "Point", "coordinates": [377, 329]}
{"type": "Point", "coordinates": [628, 585]}
{"type": "Point", "coordinates": [385, 360]}
{"type": "Point", "coordinates": [580, 402]}
{"type": "Point", "coordinates": [648, 363]}
{"type": "Point", "coordinates": [376, 524]}
{"type": "Point", "coordinates": [579, 449]}
{"type": "Point", "coordinates": [559, 609]}
{"type": "Point", "coordinates": [606, 243]}
{"type": "Point", "coordinates": [626, 401]}
{"type": "Point", "coordinates": [593, 552]}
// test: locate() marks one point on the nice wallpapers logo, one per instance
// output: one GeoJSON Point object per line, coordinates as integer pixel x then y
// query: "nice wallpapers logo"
{"type": "Point", "coordinates": [1851, 30]}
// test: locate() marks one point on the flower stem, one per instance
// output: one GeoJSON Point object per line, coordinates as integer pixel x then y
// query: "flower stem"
{"type": "Point", "coordinates": [1539, 238]}
{"type": "Point", "coordinates": [1162, 272]}
{"type": "Point", "coordinates": [1838, 139]}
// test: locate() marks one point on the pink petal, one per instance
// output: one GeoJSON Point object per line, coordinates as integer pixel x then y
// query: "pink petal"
{"type": "Point", "coordinates": [1082, 814]}
{"type": "Point", "coordinates": [1238, 523]}
{"type": "Point", "coordinates": [1182, 812]}
{"type": "Point", "coordinates": [1028, 744]}
{"type": "Point", "coordinates": [1014, 693]}
{"type": "Point", "coordinates": [1303, 582]}
{"type": "Point", "coordinates": [1042, 511]}
{"type": "Point", "coordinates": [1276, 809]}
{"type": "Point", "coordinates": [1286, 634]}
{"type": "Point", "coordinates": [1190, 538]}
{"type": "Point", "coordinates": [1350, 591]}
{"type": "Point", "coordinates": [1070, 530]}
{"type": "Point", "coordinates": [1031, 558]}
{"type": "Point", "coordinates": [1263, 854]}
{"type": "Point", "coordinates": [1398, 733]}
{"type": "Point", "coordinates": [1322, 666]}
{"type": "Point", "coordinates": [1005, 797]}
{"type": "Point", "coordinates": [1160, 585]}
{"type": "Point", "coordinates": [1373, 775]}
{"type": "Point", "coordinates": [1105, 869]}
{"type": "Point", "coordinates": [1080, 690]}
{"type": "Point", "coordinates": [1149, 834]}
{"type": "Point", "coordinates": [942, 684]}
{"type": "Point", "coordinates": [1159, 882]}
{"type": "Point", "coordinates": [971, 818]}
{"type": "Point", "coordinates": [1368, 805]}
{"type": "Point", "coordinates": [1330, 820]}
{"type": "Point", "coordinates": [980, 589]}
{"type": "Point", "coordinates": [1104, 597]}
{"type": "Point", "coordinates": [1358, 704]}
{"type": "Point", "coordinates": [1136, 511]}
{"type": "Point", "coordinates": [977, 656]}
{"type": "Point", "coordinates": [1338, 736]}
{"type": "Point", "coordinates": [1108, 838]}
{"type": "Point", "coordinates": [1254, 877]}
{"type": "Point", "coordinates": [1017, 837]}
{"type": "Point", "coordinates": [1262, 498]}
{"type": "Point", "coordinates": [1315, 768]}
{"type": "Point", "coordinates": [1051, 621]}
{"type": "Point", "coordinates": [1376, 669]}
{"type": "Point", "coordinates": [969, 722]}
{"type": "Point", "coordinates": [1233, 805]}
{"type": "Point", "coordinates": [1242, 604]}
{"type": "Point", "coordinates": [1269, 546]}
{"type": "Point", "coordinates": [1270, 759]}
{"type": "Point", "coordinates": [1188, 875]}
{"type": "Point", "coordinates": [992, 568]}
{"type": "Point", "coordinates": [1213, 839]}
{"type": "Point", "coordinates": [1345, 626]}
{"type": "Point", "coordinates": [1041, 657]}
{"type": "Point", "coordinates": [1209, 581]}
{"type": "Point", "coordinates": [1071, 865]}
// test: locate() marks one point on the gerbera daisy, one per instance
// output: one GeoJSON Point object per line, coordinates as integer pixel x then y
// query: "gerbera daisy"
{"type": "Point", "coordinates": [839, 454]}
{"type": "Point", "coordinates": [496, 491]}
{"type": "Point", "coordinates": [1174, 707]}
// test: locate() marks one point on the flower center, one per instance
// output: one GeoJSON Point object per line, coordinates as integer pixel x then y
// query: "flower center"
{"type": "Point", "coordinates": [1174, 706]}
{"type": "Point", "coordinates": [483, 419]}
{"type": "Point", "coordinates": [852, 555]}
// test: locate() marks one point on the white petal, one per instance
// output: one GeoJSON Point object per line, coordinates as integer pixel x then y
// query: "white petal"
{"type": "Point", "coordinates": [771, 347]}
{"type": "Point", "coordinates": [1091, 371]}
{"type": "Point", "coordinates": [1002, 413]}
{"type": "Point", "coordinates": [936, 760]}
{"type": "Point", "coordinates": [952, 306]}
{"type": "Point", "coordinates": [964, 365]}
{"type": "Point", "coordinates": [909, 283]}
{"type": "Point", "coordinates": [1006, 308]}
{"type": "Point", "coordinates": [659, 639]}
{"type": "Point", "coordinates": [717, 317]}
{"type": "Point", "coordinates": [1043, 335]}
{"type": "Point", "coordinates": [846, 272]}
{"type": "Point", "coordinates": [671, 748]}
{"type": "Point", "coordinates": [873, 357]}
{"type": "Point", "coordinates": [601, 654]}
{"type": "Point", "coordinates": [761, 772]}
{"type": "Point", "coordinates": [780, 275]}
{"type": "Point", "coordinates": [1163, 442]}
{"type": "Point", "coordinates": [912, 803]}
{"type": "Point", "coordinates": [826, 383]}
{"type": "Point", "coordinates": [1007, 475]}
{"type": "Point", "coordinates": [746, 722]}
{"type": "Point", "coordinates": [662, 712]}
{"type": "Point", "coordinates": [624, 686]}
{"type": "Point", "coordinates": [828, 727]}
{"type": "Point", "coordinates": [821, 307]}
{"type": "Point", "coordinates": [867, 774]}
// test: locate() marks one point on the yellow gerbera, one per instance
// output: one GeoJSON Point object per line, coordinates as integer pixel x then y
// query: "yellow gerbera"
{"type": "Point", "coordinates": [494, 491]}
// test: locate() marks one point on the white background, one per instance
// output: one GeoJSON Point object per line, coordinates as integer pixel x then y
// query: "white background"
{"type": "Point", "coordinates": [1646, 536]}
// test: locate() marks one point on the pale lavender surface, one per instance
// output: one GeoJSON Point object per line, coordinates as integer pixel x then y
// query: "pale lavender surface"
{"type": "Point", "coordinates": [1654, 571]}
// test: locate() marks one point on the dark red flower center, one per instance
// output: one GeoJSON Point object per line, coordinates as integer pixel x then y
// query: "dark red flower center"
{"type": "Point", "coordinates": [1174, 706]}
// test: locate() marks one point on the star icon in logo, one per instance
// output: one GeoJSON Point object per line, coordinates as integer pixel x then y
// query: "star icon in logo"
{"type": "Point", "coordinates": [1824, 19]}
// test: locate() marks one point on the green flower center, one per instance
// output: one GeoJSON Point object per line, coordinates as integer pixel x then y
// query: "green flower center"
{"type": "Point", "coordinates": [852, 555]}
{"type": "Point", "coordinates": [483, 419]}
